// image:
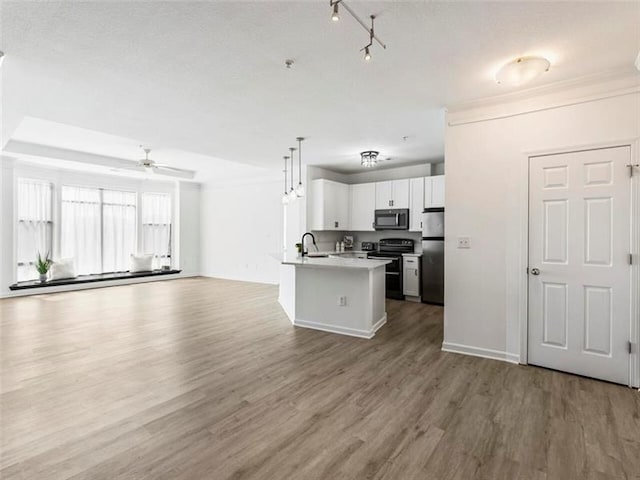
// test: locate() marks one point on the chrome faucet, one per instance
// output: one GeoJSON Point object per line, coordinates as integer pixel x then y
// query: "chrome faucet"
{"type": "Point", "coordinates": [313, 239]}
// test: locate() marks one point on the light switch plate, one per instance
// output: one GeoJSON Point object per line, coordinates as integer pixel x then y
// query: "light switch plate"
{"type": "Point", "coordinates": [464, 242]}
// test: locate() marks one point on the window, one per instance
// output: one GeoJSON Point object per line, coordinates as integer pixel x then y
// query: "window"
{"type": "Point", "coordinates": [156, 227]}
{"type": "Point", "coordinates": [35, 225]}
{"type": "Point", "coordinates": [98, 228]}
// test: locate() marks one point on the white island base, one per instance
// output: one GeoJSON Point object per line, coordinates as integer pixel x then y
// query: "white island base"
{"type": "Point", "coordinates": [345, 296]}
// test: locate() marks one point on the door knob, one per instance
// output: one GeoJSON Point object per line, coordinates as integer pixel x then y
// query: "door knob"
{"type": "Point", "coordinates": [535, 271]}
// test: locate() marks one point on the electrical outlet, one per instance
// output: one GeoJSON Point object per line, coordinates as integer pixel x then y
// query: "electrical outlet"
{"type": "Point", "coordinates": [342, 301]}
{"type": "Point", "coordinates": [464, 242]}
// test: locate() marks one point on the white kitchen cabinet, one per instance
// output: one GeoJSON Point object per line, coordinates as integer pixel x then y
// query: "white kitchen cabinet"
{"type": "Point", "coordinates": [434, 191]}
{"type": "Point", "coordinates": [362, 206]}
{"type": "Point", "coordinates": [411, 276]}
{"type": "Point", "coordinates": [330, 205]}
{"type": "Point", "coordinates": [416, 191]}
{"type": "Point", "coordinates": [392, 194]}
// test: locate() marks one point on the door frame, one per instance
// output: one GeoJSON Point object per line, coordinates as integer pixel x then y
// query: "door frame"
{"type": "Point", "coordinates": [523, 257]}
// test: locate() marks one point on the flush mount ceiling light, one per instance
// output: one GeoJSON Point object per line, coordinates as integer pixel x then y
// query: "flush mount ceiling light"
{"type": "Point", "coordinates": [372, 36]}
{"type": "Point", "coordinates": [522, 70]}
{"type": "Point", "coordinates": [369, 158]}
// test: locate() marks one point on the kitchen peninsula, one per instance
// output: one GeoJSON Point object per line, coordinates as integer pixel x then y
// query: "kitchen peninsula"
{"type": "Point", "coordinates": [334, 294]}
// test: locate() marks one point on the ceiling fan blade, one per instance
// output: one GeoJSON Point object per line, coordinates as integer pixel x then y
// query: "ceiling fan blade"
{"type": "Point", "coordinates": [173, 172]}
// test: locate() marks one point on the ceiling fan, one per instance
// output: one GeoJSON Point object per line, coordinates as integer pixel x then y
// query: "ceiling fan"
{"type": "Point", "coordinates": [161, 168]}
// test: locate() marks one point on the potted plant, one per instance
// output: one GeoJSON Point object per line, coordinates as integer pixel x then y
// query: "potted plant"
{"type": "Point", "coordinates": [42, 266]}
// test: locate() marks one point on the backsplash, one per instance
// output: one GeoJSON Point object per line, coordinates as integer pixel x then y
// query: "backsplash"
{"type": "Point", "coordinates": [326, 240]}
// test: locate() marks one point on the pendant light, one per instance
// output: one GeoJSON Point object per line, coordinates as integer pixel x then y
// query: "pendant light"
{"type": "Point", "coordinates": [285, 196]}
{"type": "Point", "coordinates": [292, 192]}
{"type": "Point", "coordinates": [300, 187]}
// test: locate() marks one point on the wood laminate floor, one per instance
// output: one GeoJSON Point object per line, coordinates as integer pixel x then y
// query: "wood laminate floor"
{"type": "Point", "coordinates": [206, 379]}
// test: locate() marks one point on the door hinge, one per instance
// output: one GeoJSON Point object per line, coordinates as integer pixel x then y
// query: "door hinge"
{"type": "Point", "coordinates": [631, 259]}
{"type": "Point", "coordinates": [630, 347]}
{"type": "Point", "coordinates": [527, 270]}
{"type": "Point", "coordinates": [631, 166]}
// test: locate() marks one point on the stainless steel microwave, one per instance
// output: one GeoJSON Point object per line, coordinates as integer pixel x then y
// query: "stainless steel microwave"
{"type": "Point", "coordinates": [394, 219]}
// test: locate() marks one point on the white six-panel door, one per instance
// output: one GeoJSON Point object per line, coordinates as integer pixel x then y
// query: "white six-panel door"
{"type": "Point", "coordinates": [579, 272]}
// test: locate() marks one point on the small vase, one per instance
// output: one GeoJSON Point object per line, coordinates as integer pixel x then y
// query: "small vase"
{"type": "Point", "coordinates": [43, 277]}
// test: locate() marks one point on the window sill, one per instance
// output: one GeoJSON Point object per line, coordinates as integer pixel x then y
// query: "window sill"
{"type": "Point", "coordinates": [100, 277]}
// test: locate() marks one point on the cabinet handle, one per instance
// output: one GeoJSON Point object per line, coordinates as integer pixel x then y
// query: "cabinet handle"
{"type": "Point", "coordinates": [337, 224]}
{"type": "Point", "coordinates": [416, 272]}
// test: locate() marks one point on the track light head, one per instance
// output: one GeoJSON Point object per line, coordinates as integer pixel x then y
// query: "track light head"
{"type": "Point", "coordinates": [367, 54]}
{"type": "Point", "coordinates": [335, 16]}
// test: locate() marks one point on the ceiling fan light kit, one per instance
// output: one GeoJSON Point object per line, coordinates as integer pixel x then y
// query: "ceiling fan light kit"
{"type": "Point", "coordinates": [372, 36]}
{"type": "Point", "coordinates": [160, 168]}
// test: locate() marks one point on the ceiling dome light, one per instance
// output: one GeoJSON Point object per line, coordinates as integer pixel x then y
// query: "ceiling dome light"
{"type": "Point", "coordinates": [369, 158]}
{"type": "Point", "coordinates": [522, 70]}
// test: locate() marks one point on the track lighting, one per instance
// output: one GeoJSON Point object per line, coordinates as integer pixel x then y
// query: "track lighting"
{"type": "Point", "coordinates": [372, 36]}
{"type": "Point", "coordinates": [367, 54]}
{"type": "Point", "coordinates": [335, 16]}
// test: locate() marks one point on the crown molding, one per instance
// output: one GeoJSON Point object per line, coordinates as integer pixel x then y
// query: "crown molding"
{"type": "Point", "coordinates": [570, 92]}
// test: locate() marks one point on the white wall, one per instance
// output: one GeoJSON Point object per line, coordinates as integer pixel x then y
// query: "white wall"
{"type": "Point", "coordinates": [188, 218]}
{"type": "Point", "coordinates": [242, 231]}
{"type": "Point", "coordinates": [485, 181]}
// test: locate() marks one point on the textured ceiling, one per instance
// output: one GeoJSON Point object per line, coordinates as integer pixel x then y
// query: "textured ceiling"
{"type": "Point", "coordinates": [209, 77]}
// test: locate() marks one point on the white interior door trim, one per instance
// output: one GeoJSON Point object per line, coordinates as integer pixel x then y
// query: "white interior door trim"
{"type": "Point", "coordinates": [523, 257]}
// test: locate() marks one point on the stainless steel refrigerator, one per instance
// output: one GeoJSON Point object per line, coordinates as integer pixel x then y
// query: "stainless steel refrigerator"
{"type": "Point", "coordinates": [433, 256]}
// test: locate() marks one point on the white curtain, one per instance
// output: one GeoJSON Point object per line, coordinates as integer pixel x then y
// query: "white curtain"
{"type": "Point", "coordinates": [35, 225]}
{"type": "Point", "coordinates": [80, 228]}
{"type": "Point", "coordinates": [119, 230]}
{"type": "Point", "coordinates": [156, 227]}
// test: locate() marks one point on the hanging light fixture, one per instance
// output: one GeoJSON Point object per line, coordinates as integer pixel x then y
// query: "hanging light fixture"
{"type": "Point", "coordinates": [300, 187]}
{"type": "Point", "coordinates": [285, 196]}
{"type": "Point", "coordinates": [369, 158]}
{"type": "Point", "coordinates": [292, 191]}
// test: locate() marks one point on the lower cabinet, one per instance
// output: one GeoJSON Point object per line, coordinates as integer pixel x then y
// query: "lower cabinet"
{"type": "Point", "coordinates": [411, 276]}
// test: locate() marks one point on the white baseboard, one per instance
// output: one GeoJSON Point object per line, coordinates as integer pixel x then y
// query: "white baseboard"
{"type": "Point", "coordinates": [353, 332]}
{"type": "Point", "coordinates": [86, 286]}
{"type": "Point", "coordinates": [480, 352]}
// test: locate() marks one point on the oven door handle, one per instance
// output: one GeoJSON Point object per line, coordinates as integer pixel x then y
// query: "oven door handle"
{"type": "Point", "coordinates": [393, 259]}
{"type": "Point", "coordinates": [392, 273]}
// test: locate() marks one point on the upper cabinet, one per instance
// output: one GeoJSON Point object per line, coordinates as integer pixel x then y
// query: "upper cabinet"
{"type": "Point", "coordinates": [330, 205]}
{"type": "Point", "coordinates": [392, 194]}
{"type": "Point", "coordinates": [362, 199]}
{"type": "Point", "coordinates": [434, 191]}
{"type": "Point", "coordinates": [416, 191]}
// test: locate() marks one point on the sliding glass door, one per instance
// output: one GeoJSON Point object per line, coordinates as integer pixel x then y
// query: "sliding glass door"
{"type": "Point", "coordinates": [98, 229]}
